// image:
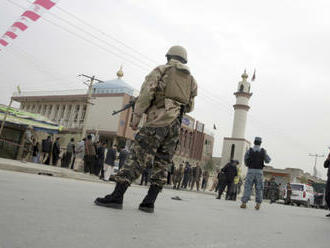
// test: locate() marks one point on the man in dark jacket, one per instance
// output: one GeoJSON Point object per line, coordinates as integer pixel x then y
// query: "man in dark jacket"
{"type": "Point", "coordinates": [110, 159]}
{"type": "Point", "coordinates": [90, 155]}
{"type": "Point", "coordinates": [100, 160]}
{"type": "Point", "coordinates": [46, 149]}
{"type": "Point", "coordinates": [186, 174]}
{"type": "Point", "coordinates": [327, 191]}
{"type": "Point", "coordinates": [197, 174]}
{"type": "Point", "coordinates": [255, 159]}
{"type": "Point", "coordinates": [273, 189]}
{"type": "Point", "coordinates": [56, 151]}
{"type": "Point", "coordinates": [122, 157]}
{"type": "Point", "coordinates": [229, 172]}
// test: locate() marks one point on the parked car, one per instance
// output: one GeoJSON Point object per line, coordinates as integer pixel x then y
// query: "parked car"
{"type": "Point", "coordinates": [302, 194]}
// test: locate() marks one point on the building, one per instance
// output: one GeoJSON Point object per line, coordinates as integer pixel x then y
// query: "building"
{"type": "Point", "coordinates": [68, 108]}
{"type": "Point", "coordinates": [234, 147]}
{"type": "Point", "coordinates": [195, 145]}
{"type": "Point", "coordinates": [292, 175]}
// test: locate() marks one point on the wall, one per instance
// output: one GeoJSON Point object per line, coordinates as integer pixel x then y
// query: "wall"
{"type": "Point", "coordinates": [100, 114]}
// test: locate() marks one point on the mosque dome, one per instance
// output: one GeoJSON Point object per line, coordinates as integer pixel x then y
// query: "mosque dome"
{"type": "Point", "coordinates": [114, 86]}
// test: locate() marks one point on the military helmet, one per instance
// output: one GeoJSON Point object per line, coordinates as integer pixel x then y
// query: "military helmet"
{"type": "Point", "coordinates": [178, 51]}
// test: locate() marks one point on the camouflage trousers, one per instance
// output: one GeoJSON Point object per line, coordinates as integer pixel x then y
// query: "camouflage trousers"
{"type": "Point", "coordinates": [153, 147]}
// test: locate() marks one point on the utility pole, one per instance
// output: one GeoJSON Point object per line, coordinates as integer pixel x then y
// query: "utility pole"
{"type": "Point", "coordinates": [316, 156]}
{"type": "Point", "coordinates": [6, 115]}
{"type": "Point", "coordinates": [89, 94]}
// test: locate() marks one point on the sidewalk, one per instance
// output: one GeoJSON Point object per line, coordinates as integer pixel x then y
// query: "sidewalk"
{"type": "Point", "coordinates": [33, 168]}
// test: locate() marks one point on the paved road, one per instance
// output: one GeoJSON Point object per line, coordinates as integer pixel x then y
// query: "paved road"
{"type": "Point", "coordinates": [40, 211]}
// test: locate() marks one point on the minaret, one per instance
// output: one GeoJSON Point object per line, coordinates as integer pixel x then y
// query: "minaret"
{"type": "Point", "coordinates": [234, 147]}
{"type": "Point", "coordinates": [241, 107]}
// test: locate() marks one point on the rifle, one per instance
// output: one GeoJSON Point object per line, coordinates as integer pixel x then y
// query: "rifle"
{"type": "Point", "coordinates": [131, 104]}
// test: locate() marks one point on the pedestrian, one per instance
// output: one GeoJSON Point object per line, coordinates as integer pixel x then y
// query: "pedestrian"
{"type": "Point", "coordinates": [28, 145]}
{"type": "Point", "coordinates": [255, 159]}
{"type": "Point", "coordinates": [177, 176]}
{"type": "Point", "coordinates": [110, 159]}
{"type": "Point", "coordinates": [56, 151]}
{"type": "Point", "coordinates": [186, 175]}
{"type": "Point", "coordinates": [35, 151]}
{"type": "Point", "coordinates": [167, 93]}
{"type": "Point", "coordinates": [170, 172]}
{"type": "Point", "coordinates": [100, 152]}
{"type": "Point", "coordinates": [46, 149]}
{"type": "Point", "coordinates": [229, 173]}
{"type": "Point", "coordinates": [288, 194]}
{"type": "Point", "coordinates": [205, 179]}
{"type": "Point", "coordinates": [70, 148]}
{"type": "Point", "coordinates": [79, 163]}
{"type": "Point", "coordinates": [190, 176]}
{"type": "Point", "coordinates": [273, 190]}
{"type": "Point", "coordinates": [197, 174]}
{"type": "Point", "coordinates": [122, 157]}
{"type": "Point", "coordinates": [327, 190]}
{"type": "Point", "coordinates": [90, 155]}
{"type": "Point", "coordinates": [234, 187]}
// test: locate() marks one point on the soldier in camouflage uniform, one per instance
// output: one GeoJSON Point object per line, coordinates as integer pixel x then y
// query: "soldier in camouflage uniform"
{"type": "Point", "coordinates": [166, 94]}
{"type": "Point", "coordinates": [178, 175]}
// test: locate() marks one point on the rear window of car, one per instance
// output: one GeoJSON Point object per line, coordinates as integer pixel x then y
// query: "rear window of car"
{"type": "Point", "coordinates": [297, 187]}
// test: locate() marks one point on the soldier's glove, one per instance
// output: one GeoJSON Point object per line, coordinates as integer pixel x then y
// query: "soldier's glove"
{"type": "Point", "coordinates": [135, 121]}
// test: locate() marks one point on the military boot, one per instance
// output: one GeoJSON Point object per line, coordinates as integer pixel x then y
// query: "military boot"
{"type": "Point", "coordinates": [147, 204]}
{"type": "Point", "coordinates": [257, 207]}
{"type": "Point", "coordinates": [115, 200]}
{"type": "Point", "coordinates": [243, 205]}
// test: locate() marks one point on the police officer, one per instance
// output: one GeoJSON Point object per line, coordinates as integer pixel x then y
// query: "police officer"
{"type": "Point", "coordinates": [230, 172]}
{"type": "Point", "coordinates": [166, 94]}
{"type": "Point", "coordinates": [255, 159]}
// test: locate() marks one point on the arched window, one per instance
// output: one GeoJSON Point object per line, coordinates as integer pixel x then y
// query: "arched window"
{"type": "Point", "coordinates": [241, 89]}
{"type": "Point", "coordinates": [232, 152]}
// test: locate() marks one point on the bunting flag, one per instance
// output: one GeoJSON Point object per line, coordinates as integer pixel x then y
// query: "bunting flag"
{"type": "Point", "coordinates": [214, 127]}
{"type": "Point", "coordinates": [37, 8]}
{"type": "Point", "coordinates": [254, 76]}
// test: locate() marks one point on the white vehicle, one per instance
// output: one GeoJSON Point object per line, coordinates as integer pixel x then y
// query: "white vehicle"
{"type": "Point", "coordinates": [302, 194]}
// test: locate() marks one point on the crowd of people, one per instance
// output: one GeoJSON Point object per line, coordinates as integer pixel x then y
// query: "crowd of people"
{"type": "Point", "coordinates": [85, 156]}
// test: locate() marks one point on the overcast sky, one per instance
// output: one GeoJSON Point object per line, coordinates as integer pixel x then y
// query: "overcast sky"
{"type": "Point", "coordinates": [286, 41]}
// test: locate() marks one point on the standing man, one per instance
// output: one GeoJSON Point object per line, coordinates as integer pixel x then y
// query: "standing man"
{"type": "Point", "coordinates": [196, 177]}
{"type": "Point", "coordinates": [79, 156]}
{"type": "Point", "coordinates": [255, 159]}
{"type": "Point", "coordinates": [327, 191]}
{"type": "Point", "coordinates": [288, 194]}
{"type": "Point", "coordinates": [110, 160]}
{"type": "Point", "coordinates": [70, 148]}
{"type": "Point", "coordinates": [90, 155]}
{"type": "Point", "coordinates": [56, 151]}
{"type": "Point", "coordinates": [100, 160]}
{"type": "Point", "coordinates": [122, 157]}
{"type": "Point", "coordinates": [205, 180]}
{"type": "Point", "coordinates": [166, 94]}
{"type": "Point", "coordinates": [177, 177]}
{"type": "Point", "coordinates": [46, 148]}
{"type": "Point", "coordinates": [273, 189]}
{"type": "Point", "coordinates": [186, 174]}
{"type": "Point", "coordinates": [230, 172]}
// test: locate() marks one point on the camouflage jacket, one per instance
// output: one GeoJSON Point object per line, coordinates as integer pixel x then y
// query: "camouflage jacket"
{"type": "Point", "coordinates": [154, 82]}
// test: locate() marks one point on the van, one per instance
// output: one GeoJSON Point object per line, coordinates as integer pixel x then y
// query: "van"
{"type": "Point", "coordinates": [302, 194]}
